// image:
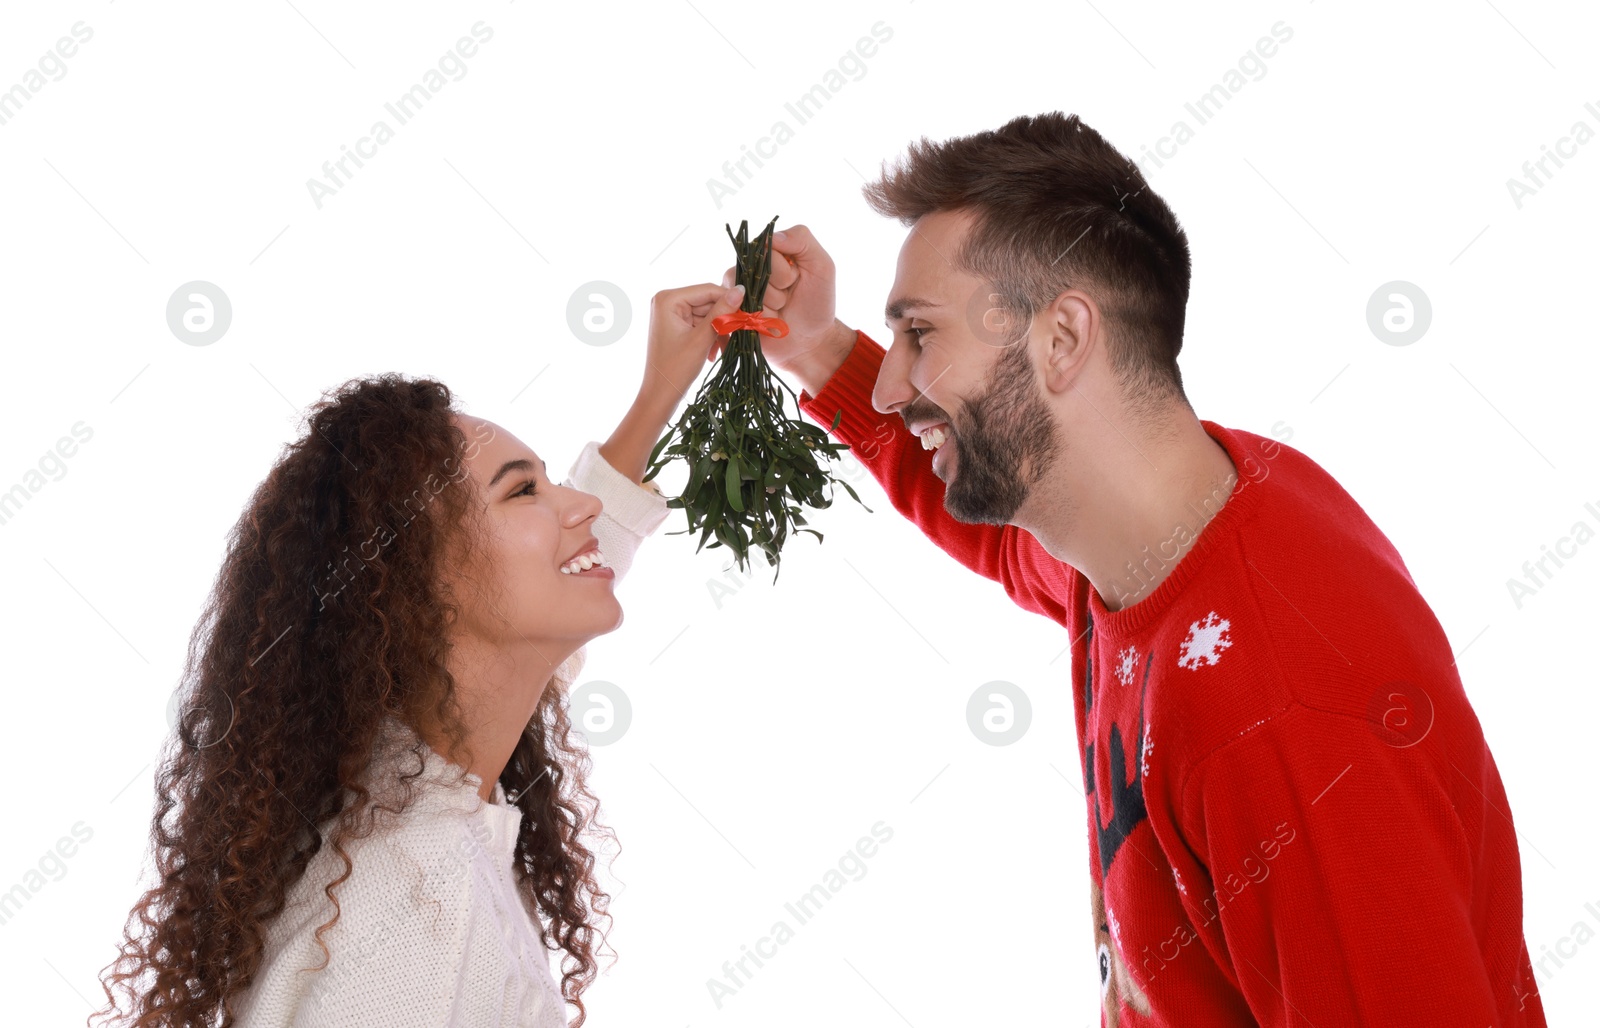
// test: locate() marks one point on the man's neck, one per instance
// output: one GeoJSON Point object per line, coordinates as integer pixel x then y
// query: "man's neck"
{"type": "Point", "coordinates": [1128, 506]}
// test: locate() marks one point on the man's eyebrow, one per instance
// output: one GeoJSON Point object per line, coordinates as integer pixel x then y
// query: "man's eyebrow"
{"type": "Point", "coordinates": [520, 464]}
{"type": "Point", "coordinates": [897, 308]}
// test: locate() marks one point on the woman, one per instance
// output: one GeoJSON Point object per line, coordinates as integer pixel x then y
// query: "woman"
{"type": "Point", "coordinates": [374, 814]}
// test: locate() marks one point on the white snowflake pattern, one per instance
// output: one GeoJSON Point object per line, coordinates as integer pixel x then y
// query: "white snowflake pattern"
{"type": "Point", "coordinates": [1144, 753]}
{"type": "Point", "coordinates": [1126, 664]}
{"type": "Point", "coordinates": [1207, 639]}
{"type": "Point", "coordinates": [1179, 880]}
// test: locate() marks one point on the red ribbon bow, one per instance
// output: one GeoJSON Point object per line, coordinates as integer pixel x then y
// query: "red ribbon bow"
{"type": "Point", "coordinates": [755, 320]}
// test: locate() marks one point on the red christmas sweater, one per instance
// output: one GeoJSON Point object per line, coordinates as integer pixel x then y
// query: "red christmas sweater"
{"type": "Point", "coordinates": [1294, 818]}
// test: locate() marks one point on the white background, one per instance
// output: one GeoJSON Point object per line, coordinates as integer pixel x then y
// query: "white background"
{"type": "Point", "coordinates": [772, 731]}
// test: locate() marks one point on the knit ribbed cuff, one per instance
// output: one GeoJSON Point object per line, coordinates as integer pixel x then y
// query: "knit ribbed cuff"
{"type": "Point", "coordinates": [640, 508]}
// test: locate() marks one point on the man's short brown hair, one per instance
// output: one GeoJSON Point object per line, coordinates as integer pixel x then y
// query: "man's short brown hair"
{"type": "Point", "coordinates": [1058, 207]}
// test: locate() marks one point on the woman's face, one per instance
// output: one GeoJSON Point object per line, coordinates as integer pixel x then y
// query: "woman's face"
{"type": "Point", "coordinates": [532, 526]}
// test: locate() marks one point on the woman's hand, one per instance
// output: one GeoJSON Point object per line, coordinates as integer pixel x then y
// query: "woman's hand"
{"type": "Point", "coordinates": [681, 342]}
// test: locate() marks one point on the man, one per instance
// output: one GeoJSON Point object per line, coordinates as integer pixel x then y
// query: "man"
{"type": "Point", "coordinates": [1293, 815]}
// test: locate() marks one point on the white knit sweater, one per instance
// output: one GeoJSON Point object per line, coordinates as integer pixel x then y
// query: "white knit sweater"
{"type": "Point", "coordinates": [432, 931]}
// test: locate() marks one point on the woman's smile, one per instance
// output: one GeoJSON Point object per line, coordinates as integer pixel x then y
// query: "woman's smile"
{"type": "Point", "coordinates": [591, 563]}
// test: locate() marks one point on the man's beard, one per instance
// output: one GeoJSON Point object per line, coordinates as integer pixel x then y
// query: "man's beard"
{"type": "Point", "coordinates": [1006, 444]}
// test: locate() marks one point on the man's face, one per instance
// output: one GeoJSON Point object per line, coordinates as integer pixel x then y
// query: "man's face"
{"type": "Point", "coordinates": [956, 362]}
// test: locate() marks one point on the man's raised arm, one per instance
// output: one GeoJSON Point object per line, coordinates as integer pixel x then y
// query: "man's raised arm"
{"type": "Point", "coordinates": [841, 374]}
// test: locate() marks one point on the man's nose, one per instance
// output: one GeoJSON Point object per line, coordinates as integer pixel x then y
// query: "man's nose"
{"type": "Point", "coordinates": [893, 389]}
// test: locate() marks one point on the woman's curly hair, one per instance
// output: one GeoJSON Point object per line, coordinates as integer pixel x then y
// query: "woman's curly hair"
{"type": "Point", "coordinates": [330, 614]}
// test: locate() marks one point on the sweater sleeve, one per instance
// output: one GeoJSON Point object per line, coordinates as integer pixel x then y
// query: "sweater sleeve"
{"type": "Point", "coordinates": [1034, 579]}
{"type": "Point", "coordinates": [630, 511]}
{"type": "Point", "coordinates": [1341, 877]}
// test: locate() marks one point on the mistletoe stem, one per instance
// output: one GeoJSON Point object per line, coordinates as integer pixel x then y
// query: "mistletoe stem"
{"type": "Point", "coordinates": [738, 420]}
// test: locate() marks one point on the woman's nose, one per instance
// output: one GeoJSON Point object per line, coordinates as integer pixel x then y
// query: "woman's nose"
{"type": "Point", "coordinates": [584, 507]}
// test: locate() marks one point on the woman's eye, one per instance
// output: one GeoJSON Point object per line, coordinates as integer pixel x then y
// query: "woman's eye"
{"type": "Point", "coordinates": [527, 488]}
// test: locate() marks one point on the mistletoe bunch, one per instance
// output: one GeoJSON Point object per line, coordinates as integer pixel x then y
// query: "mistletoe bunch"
{"type": "Point", "coordinates": [749, 461]}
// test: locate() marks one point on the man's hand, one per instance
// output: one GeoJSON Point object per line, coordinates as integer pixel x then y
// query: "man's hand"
{"type": "Point", "coordinates": [800, 290]}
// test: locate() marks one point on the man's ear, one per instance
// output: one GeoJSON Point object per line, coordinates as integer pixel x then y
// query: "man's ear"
{"type": "Point", "coordinates": [1071, 324]}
